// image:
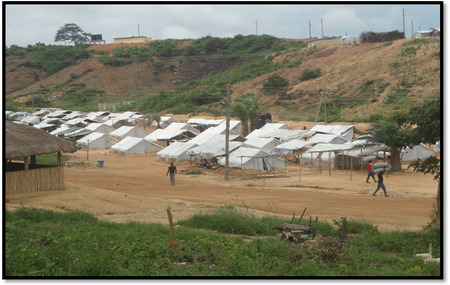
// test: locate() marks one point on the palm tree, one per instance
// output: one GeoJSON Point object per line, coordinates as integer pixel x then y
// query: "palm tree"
{"type": "Point", "coordinates": [247, 108]}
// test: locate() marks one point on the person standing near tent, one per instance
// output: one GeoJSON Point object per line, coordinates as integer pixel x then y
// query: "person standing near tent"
{"type": "Point", "coordinates": [172, 170]}
{"type": "Point", "coordinates": [380, 184]}
{"type": "Point", "coordinates": [370, 170]}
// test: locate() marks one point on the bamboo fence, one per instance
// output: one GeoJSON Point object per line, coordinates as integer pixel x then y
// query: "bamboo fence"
{"type": "Point", "coordinates": [31, 180]}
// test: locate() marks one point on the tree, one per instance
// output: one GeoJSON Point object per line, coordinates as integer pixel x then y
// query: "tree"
{"type": "Point", "coordinates": [391, 133]}
{"type": "Point", "coordinates": [426, 120]}
{"type": "Point", "coordinates": [275, 84]}
{"type": "Point", "coordinates": [73, 34]}
{"type": "Point", "coordinates": [247, 108]}
{"type": "Point", "coordinates": [421, 124]}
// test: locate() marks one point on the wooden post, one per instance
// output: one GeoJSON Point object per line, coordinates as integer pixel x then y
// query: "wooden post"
{"type": "Point", "coordinates": [33, 160]}
{"type": "Point", "coordinates": [292, 218]}
{"type": "Point", "coordinates": [300, 170]}
{"type": "Point", "coordinates": [299, 221]}
{"type": "Point", "coordinates": [329, 163]}
{"type": "Point", "coordinates": [59, 158]}
{"type": "Point", "coordinates": [351, 167]}
{"type": "Point", "coordinates": [172, 243]}
{"type": "Point", "coordinates": [25, 162]}
{"type": "Point", "coordinates": [315, 225]}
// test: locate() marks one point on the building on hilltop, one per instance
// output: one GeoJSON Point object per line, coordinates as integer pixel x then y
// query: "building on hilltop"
{"type": "Point", "coordinates": [132, 40]}
{"type": "Point", "coordinates": [432, 32]}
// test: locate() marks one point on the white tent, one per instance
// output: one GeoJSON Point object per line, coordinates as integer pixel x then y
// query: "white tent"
{"type": "Point", "coordinates": [133, 145]}
{"type": "Point", "coordinates": [95, 141]}
{"type": "Point", "coordinates": [128, 131]}
{"type": "Point", "coordinates": [284, 135]}
{"type": "Point", "coordinates": [205, 122]}
{"type": "Point", "coordinates": [344, 131]}
{"type": "Point", "coordinates": [253, 158]}
{"type": "Point", "coordinates": [173, 131]}
{"type": "Point", "coordinates": [267, 130]}
{"type": "Point", "coordinates": [212, 149]}
{"type": "Point", "coordinates": [31, 119]}
{"type": "Point", "coordinates": [165, 121]}
{"type": "Point", "coordinates": [266, 143]}
{"type": "Point", "coordinates": [100, 128]}
{"type": "Point", "coordinates": [295, 144]}
{"type": "Point", "coordinates": [176, 150]}
{"type": "Point", "coordinates": [325, 138]}
{"type": "Point", "coordinates": [213, 133]}
{"type": "Point", "coordinates": [417, 152]}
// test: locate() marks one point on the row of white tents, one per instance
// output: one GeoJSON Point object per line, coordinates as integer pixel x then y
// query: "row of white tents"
{"type": "Point", "coordinates": [264, 149]}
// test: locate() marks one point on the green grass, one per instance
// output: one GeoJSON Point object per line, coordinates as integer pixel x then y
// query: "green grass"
{"type": "Point", "coordinates": [49, 159]}
{"type": "Point", "coordinates": [43, 243]}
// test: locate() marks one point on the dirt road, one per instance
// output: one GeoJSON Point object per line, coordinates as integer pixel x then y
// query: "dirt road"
{"type": "Point", "coordinates": [135, 188]}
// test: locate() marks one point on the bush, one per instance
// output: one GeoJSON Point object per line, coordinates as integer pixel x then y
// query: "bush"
{"type": "Point", "coordinates": [310, 74]}
{"type": "Point", "coordinates": [275, 84]}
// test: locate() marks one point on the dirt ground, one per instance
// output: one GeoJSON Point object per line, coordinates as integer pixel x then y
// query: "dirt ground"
{"type": "Point", "coordinates": [136, 188]}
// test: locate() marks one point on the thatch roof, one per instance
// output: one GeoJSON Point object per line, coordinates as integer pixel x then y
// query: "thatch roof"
{"type": "Point", "coordinates": [23, 140]}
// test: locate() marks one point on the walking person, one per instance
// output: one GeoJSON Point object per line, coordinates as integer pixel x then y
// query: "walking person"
{"type": "Point", "coordinates": [370, 170]}
{"type": "Point", "coordinates": [381, 184]}
{"type": "Point", "coordinates": [172, 170]}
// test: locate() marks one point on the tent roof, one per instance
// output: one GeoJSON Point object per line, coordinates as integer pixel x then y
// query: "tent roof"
{"type": "Point", "coordinates": [327, 147]}
{"type": "Point", "coordinates": [23, 140]}
{"type": "Point", "coordinates": [286, 135]}
{"type": "Point", "coordinates": [175, 149]}
{"type": "Point", "coordinates": [266, 130]}
{"type": "Point", "coordinates": [213, 148]}
{"type": "Point", "coordinates": [91, 137]}
{"type": "Point", "coordinates": [262, 142]}
{"type": "Point", "coordinates": [127, 143]}
{"type": "Point", "coordinates": [295, 144]}
{"type": "Point", "coordinates": [325, 138]}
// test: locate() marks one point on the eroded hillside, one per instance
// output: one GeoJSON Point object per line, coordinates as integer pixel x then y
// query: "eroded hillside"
{"type": "Point", "coordinates": [356, 80]}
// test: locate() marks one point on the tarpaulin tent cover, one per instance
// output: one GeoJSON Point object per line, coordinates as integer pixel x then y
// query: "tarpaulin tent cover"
{"type": "Point", "coordinates": [134, 145]}
{"type": "Point", "coordinates": [253, 158]}
{"type": "Point", "coordinates": [344, 131]}
{"type": "Point", "coordinates": [96, 140]}
{"type": "Point", "coordinates": [176, 150]}
{"type": "Point", "coordinates": [128, 131]}
{"type": "Point", "coordinates": [417, 152]}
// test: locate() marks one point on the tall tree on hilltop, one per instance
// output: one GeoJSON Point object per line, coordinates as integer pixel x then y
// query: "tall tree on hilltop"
{"type": "Point", "coordinates": [73, 34]}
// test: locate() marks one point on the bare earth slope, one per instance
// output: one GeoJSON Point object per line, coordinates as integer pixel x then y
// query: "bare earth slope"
{"type": "Point", "coordinates": [344, 69]}
{"type": "Point", "coordinates": [135, 188]}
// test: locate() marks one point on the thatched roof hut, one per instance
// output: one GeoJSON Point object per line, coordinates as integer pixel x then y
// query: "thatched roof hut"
{"type": "Point", "coordinates": [23, 140]}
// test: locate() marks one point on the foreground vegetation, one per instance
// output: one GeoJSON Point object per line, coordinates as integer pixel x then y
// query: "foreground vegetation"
{"type": "Point", "coordinates": [47, 243]}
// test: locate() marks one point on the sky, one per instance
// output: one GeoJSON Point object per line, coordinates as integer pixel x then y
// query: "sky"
{"type": "Point", "coordinates": [26, 24]}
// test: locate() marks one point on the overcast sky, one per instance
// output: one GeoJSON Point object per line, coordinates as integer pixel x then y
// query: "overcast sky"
{"type": "Point", "coordinates": [29, 24]}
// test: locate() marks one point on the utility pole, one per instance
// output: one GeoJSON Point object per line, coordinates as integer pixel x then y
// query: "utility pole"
{"type": "Point", "coordinates": [321, 23]}
{"type": "Point", "coordinates": [320, 104]}
{"type": "Point", "coordinates": [404, 23]}
{"type": "Point", "coordinates": [309, 28]}
{"type": "Point", "coordinates": [227, 135]}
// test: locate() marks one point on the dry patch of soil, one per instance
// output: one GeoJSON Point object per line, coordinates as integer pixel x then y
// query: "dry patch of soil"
{"type": "Point", "coordinates": [136, 188]}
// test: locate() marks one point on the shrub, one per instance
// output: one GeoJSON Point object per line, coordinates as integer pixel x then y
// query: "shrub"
{"type": "Point", "coordinates": [310, 74]}
{"type": "Point", "coordinates": [275, 84]}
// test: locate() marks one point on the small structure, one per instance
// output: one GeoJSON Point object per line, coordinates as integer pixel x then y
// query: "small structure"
{"type": "Point", "coordinates": [26, 142]}
{"type": "Point", "coordinates": [432, 32]}
{"type": "Point", "coordinates": [132, 40]}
